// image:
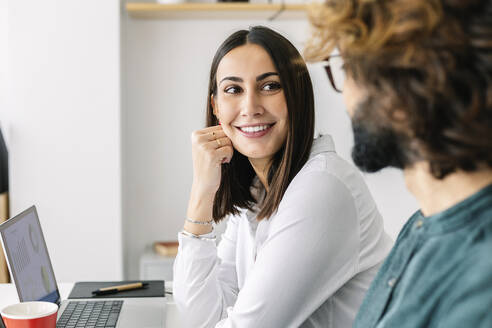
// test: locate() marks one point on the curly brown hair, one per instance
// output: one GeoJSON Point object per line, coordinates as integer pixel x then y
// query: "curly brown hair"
{"type": "Point", "coordinates": [427, 67]}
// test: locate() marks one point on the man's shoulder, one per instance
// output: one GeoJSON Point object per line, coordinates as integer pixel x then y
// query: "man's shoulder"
{"type": "Point", "coordinates": [470, 298]}
{"type": "Point", "coordinates": [476, 262]}
{"type": "Point", "coordinates": [476, 239]}
{"type": "Point", "coordinates": [472, 275]}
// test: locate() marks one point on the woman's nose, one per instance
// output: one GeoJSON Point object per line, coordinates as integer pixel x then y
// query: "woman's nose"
{"type": "Point", "coordinates": [251, 105]}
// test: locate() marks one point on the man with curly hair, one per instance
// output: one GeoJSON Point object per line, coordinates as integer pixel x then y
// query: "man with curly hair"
{"type": "Point", "coordinates": [418, 87]}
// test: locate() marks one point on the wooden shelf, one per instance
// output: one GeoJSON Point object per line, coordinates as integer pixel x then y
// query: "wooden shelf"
{"type": "Point", "coordinates": [230, 10]}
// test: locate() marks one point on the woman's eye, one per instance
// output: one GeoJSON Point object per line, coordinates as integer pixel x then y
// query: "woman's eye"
{"type": "Point", "coordinates": [270, 86]}
{"type": "Point", "coordinates": [232, 89]}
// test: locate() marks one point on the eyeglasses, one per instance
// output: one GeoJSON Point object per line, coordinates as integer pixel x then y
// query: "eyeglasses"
{"type": "Point", "coordinates": [334, 69]}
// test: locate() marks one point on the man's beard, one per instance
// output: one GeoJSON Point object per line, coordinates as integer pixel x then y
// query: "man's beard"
{"type": "Point", "coordinates": [376, 147]}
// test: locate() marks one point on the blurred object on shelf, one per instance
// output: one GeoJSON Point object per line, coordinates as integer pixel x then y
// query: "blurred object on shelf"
{"type": "Point", "coordinates": [232, 0]}
{"type": "Point", "coordinates": [166, 248]}
{"type": "Point", "coordinates": [168, 2]}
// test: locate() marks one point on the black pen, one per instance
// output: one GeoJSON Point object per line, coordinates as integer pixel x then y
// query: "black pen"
{"type": "Point", "coordinates": [119, 288]}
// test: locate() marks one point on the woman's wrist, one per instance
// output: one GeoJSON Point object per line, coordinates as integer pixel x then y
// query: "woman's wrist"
{"type": "Point", "coordinates": [200, 205]}
{"type": "Point", "coordinates": [202, 192]}
{"type": "Point", "coordinates": [197, 229]}
{"type": "Point", "coordinates": [199, 215]}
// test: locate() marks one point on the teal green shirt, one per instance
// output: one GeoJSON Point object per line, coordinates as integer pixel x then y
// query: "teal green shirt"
{"type": "Point", "coordinates": [439, 272]}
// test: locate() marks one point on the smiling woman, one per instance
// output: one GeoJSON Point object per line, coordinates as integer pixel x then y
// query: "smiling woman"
{"type": "Point", "coordinates": [251, 108]}
{"type": "Point", "coordinates": [304, 237]}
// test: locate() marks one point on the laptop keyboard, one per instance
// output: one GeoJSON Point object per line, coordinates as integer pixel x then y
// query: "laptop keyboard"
{"type": "Point", "coordinates": [90, 314]}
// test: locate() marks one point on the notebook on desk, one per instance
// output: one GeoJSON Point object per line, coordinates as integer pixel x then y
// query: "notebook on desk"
{"type": "Point", "coordinates": [32, 272]}
{"type": "Point", "coordinates": [84, 289]}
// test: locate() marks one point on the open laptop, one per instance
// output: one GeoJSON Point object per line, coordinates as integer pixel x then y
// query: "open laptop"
{"type": "Point", "coordinates": [31, 270]}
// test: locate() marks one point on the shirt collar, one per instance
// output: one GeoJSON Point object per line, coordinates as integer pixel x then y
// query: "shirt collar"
{"type": "Point", "coordinates": [459, 214]}
{"type": "Point", "coordinates": [322, 144]}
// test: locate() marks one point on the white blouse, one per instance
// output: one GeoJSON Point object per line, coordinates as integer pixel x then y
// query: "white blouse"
{"type": "Point", "coordinates": [308, 265]}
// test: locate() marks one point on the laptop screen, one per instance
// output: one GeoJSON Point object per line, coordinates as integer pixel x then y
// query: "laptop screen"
{"type": "Point", "coordinates": [28, 258]}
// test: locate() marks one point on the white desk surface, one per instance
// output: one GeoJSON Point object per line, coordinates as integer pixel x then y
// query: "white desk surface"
{"type": "Point", "coordinates": [8, 295]}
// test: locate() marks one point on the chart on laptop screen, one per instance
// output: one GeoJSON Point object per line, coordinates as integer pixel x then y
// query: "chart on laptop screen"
{"type": "Point", "coordinates": [29, 259]}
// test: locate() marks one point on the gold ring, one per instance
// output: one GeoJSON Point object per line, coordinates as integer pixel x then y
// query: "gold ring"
{"type": "Point", "coordinates": [218, 142]}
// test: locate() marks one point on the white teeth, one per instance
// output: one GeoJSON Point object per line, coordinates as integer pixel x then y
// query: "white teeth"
{"type": "Point", "coordinates": [252, 129]}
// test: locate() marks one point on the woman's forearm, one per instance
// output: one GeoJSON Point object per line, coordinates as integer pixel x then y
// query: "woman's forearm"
{"type": "Point", "coordinates": [210, 149]}
{"type": "Point", "coordinates": [200, 207]}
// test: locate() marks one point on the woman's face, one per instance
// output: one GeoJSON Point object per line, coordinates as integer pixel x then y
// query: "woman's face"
{"type": "Point", "coordinates": [250, 102]}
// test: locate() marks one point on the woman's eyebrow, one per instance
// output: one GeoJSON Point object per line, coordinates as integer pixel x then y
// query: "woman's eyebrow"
{"type": "Point", "coordinates": [238, 79]}
{"type": "Point", "coordinates": [231, 78]}
{"type": "Point", "coordinates": [265, 75]}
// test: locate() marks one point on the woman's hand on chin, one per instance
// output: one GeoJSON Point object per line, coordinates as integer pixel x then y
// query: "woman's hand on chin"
{"type": "Point", "coordinates": [210, 148]}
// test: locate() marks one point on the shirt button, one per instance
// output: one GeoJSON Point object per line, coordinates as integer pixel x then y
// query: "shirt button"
{"type": "Point", "coordinates": [419, 224]}
{"type": "Point", "coordinates": [392, 282]}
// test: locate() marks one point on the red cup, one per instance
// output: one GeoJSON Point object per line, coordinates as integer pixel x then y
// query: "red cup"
{"type": "Point", "coordinates": [30, 315]}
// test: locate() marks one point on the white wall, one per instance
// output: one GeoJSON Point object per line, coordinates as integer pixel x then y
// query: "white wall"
{"type": "Point", "coordinates": [166, 66]}
{"type": "Point", "coordinates": [4, 35]}
{"type": "Point", "coordinates": [64, 130]}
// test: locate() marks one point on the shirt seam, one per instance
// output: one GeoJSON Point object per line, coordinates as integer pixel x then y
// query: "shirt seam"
{"type": "Point", "coordinates": [328, 172]}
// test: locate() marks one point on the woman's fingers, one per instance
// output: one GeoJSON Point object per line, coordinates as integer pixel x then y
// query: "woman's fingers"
{"type": "Point", "coordinates": [210, 145]}
{"type": "Point", "coordinates": [220, 142]}
{"type": "Point", "coordinates": [208, 134]}
{"type": "Point", "coordinates": [213, 132]}
{"type": "Point", "coordinates": [211, 128]}
{"type": "Point", "coordinates": [219, 150]}
{"type": "Point", "coordinates": [224, 154]}
{"type": "Point", "coordinates": [214, 135]}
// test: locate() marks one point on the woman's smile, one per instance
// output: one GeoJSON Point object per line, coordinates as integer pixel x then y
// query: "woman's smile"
{"type": "Point", "coordinates": [255, 130]}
